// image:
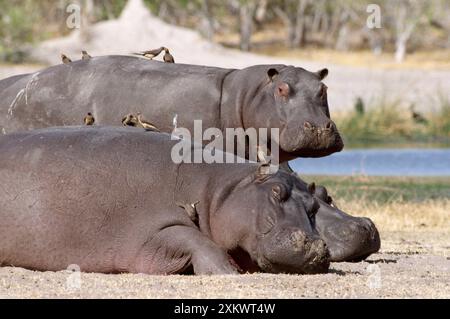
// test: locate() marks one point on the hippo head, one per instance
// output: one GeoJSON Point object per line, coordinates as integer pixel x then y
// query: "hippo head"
{"type": "Point", "coordinates": [295, 101]}
{"type": "Point", "coordinates": [272, 222]}
{"type": "Point", "coordinates": [348, 238]}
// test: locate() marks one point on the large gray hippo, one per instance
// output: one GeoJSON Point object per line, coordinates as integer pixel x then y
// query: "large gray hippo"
{"type": "Point", "coordinates": [106, 199]}
{"type": "Point", "coordinates": [263, 96]}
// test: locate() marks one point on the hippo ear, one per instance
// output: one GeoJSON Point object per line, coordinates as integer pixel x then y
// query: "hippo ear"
{"type": "Point", "coordinates": [283, 90]}
{"type": "Point", "coordinates": [312, 188]}
{"type": "Point", "coordinates": [276, 192]}
{"type": "Point", "coordinates": [272, 73]}
{"type": "Point", "coordinates": [322, 74]}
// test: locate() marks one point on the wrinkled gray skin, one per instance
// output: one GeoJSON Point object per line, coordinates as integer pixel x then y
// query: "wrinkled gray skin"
{"type": "Point", "coordinates": [105, 199]}
{"type": "Point", "coordinates": [263, 96]}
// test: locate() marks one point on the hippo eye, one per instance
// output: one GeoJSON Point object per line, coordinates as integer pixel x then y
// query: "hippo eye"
{"type": "Point", "coordinates": [279, 193]}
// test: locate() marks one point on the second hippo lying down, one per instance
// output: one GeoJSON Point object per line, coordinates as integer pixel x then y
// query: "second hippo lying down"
{"type": "Point", "coordinates": [105, 200]}
{"type": "Point", "coordinates": [348, 238]}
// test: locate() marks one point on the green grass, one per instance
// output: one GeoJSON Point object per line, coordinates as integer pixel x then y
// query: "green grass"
{"type": "Point", "coordinates": [385, 122]}
{"type": "Point", "coordinates": [384, 189]}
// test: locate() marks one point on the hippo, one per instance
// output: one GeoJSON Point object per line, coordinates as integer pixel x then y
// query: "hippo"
{"type": "Point", "coordinates": [289, 98]}
{"type": "Point", "coordinates": [107, 199]}
{"type": "Point", "coordinates": [348, 238]}
{"type": "Point", "coordinates": [254, 96]}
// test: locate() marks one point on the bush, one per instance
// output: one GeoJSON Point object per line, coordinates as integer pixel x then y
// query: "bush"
{"type": "Point", "coordinates": [385, 121]}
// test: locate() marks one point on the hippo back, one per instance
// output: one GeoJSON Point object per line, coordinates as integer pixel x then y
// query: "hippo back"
{"type": "Point", "coordinates": [110, 87]}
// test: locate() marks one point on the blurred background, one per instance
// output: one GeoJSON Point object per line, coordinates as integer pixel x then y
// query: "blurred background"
{"type": "Point", "coordinates": [389, 82]}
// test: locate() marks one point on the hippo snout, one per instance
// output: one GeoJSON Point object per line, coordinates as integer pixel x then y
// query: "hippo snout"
{"type": "Point", "coordinates": [370, 239]}
{"type": "Point", "coordinates": [309, 139]}
{"type": "Point", "coordinates": [352, 241]}
{"type": "Point", "coordinates": [328, 127]}
{"type": "Point", "coordinates": [295, 252]}
{"type": "Point", "coordinates": [319, 258]}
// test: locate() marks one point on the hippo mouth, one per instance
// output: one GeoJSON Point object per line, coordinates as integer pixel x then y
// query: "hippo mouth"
{"type": "Point", "coordinates": [292, 251]}
{"type": "Point", "coordinates": [243, 260]}
{"type": "Point", "coordinates": [311, 142]}
{"type": "Point", "coordinates": [314, 262]}
{"type": "Point", "coordinates": [318, 264]}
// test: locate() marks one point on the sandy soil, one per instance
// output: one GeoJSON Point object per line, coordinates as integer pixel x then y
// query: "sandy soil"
{"type": "Point", "coordinates": [410, 265]}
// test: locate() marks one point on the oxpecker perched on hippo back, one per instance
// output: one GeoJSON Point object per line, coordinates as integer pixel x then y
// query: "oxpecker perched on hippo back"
{"type": "Point", "coordinates": [262, 96]}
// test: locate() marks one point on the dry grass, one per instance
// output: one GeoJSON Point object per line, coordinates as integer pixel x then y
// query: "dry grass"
{"type": "Point", "coordinates": [429, 215]}
{"type": "Point", "coordinates": [433, 60]}
{"type": "Point", "coordinates": [411, 204]}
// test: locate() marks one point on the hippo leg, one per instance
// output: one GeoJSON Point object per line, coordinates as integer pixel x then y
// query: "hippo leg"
{"type": "Point", "coordinates": [207, 258]}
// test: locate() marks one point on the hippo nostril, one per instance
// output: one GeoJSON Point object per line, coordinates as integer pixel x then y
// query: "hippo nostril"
{"type": "Point", "coordinates": [320, 246]}
{"type": "Point", "coordinates": [298, 240]}
{"type": "Point", "coordinates": [308, 125]}
{"type": "Point", "coordinates": [329, 126]}
{"type": "Point", "coordinates": [319, 252]}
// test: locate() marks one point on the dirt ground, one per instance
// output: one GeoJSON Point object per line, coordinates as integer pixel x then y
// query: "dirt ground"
{"type": "Point", "coordinates": [409, 265]}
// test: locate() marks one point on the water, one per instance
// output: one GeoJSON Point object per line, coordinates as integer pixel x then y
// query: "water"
{"type": "Point", "coordinates": [378, 162]}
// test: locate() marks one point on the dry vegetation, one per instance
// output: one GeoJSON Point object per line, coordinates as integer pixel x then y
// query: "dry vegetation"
{"type": "Point", "coordinates": [395, 204]}
{"type": "Point", "coordinates": [429, 215]}
{"type": "Point", "coordinates": [387, 120]}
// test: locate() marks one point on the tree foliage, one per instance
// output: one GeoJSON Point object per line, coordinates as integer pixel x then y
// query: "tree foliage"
{"type": "Point", "coordinates": [339, 24]}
